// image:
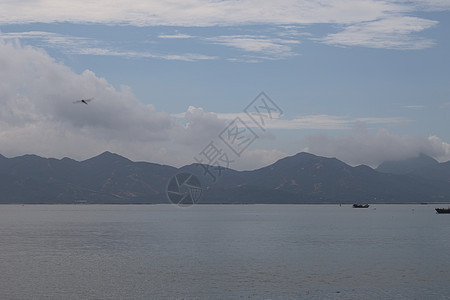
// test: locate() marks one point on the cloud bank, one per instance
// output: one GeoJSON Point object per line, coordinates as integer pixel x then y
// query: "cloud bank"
{"type": "Point", "coordinates": [197, 12]}
{"type": "Point", "coordinates": [363, 147]}
{"type": "Point", "coordinates": [37, 115]}
{"type": "Point", "coordinates": [367, 23]}
{"type": "Point", "coordinates": [71, 45]}
{"type": "Point", "coordinates": [389, 33]}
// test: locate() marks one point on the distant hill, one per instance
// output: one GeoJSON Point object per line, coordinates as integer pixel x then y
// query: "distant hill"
{"type": "Point", "coordinates": [307, 178]}
{"type": "Point", "coordinates": [107, 178]}
{"type": "Point", "coordinates": [422, 167]}
{"type": "Point", "coordinates": [407, 166]}
{"type": "Point", "coordinates": [302, 178]}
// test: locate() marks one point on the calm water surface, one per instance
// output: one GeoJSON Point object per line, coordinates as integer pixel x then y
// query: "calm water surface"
{"type": "Point", "coordinates": [225, 252]}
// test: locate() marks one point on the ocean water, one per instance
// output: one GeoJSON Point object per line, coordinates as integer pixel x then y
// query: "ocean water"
{"type": "Point", "coordinates": [224, 252]}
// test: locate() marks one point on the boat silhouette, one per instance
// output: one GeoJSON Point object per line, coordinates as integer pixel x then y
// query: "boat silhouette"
{"type": "Point", "coordinates": [360, 205]}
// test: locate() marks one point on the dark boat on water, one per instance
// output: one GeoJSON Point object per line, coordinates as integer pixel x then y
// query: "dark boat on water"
{"type": "Point", "coordinates": [360, 205]}
{"type": "Point", "coordinates": [443, 210]}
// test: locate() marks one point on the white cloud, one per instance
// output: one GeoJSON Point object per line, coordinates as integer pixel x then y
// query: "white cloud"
{"type": "Point", "coordinates": [258, 158]}
{"type": "Point", "coordinates": [87, 46]}
{"type": "Point", "coordinates": [272, 47]}
{"type": "Point", "coordinates": [138, 54]}
{"type": "Point", "coordinates": [194, 12]}
{"type": "Point", "coordinates": [428, 5]}
{"type": "Point", "coordinates": [175, 36]}
{"type": "Point", "coordinates": [52, 39]}
{"type": "Point", "coordinates": [388, 33]}
{"type": "Point", "coordinates": [325, 122]}
{"type": "Point", "coordinates": [37, 114]}
{"type": "Point", "coordinates": [292, 31]}
{"type": "Point", "coordinates": [366, 23]}
{"type": "Point", "coordinates": [201, 127]}
{"type": "Point", "coordinates": [363, 147]}
{"type": "Point", "coordinates": [414, 107]}
{"type": "Point", "coordinates": [258, 46]}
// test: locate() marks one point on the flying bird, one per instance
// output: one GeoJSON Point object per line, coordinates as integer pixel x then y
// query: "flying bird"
{"type": "Point", "coordinates": [85, 101]}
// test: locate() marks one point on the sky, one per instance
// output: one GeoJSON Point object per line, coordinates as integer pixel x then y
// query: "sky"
{"type": "Point", "coordinates": [235, 83]}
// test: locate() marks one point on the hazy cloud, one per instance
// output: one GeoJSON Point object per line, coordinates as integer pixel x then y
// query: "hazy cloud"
{"type": "Point", "coordinates": [201, 127]}
{"type": "Point", "coordinates": [195, 12]}
{"type": "Point", "coordinates": [271, 47]}
{"type": "Point", "coordinates": [87, 46]}
{"type": "Point", "coordinates": [326, 122]}
{"type": "Point", "coordinates": [140, 54]}
{"type": "Point", "coordinates": [61, 41]}
{"type": "Point", "coordinates": [363, 147]}
{"type": "Point", "coordinates": [445, 105]}
{"type": "Point", "coordinates": [428, 5]}
{"type": "Point", "coordinates": [388, 33]}
{"type": "Point", "coordinates": [258, 158]}
{"type": "Point", "coordinates": [37, 116]}
{"type": "Point", "coordinates": [414, 107]}
{"type": "Point", "coordinates": [36, 95]}
{"type": "Point", "coordinates": [175, 36]}
{"type": "Point", "coordinates": [366, 23]}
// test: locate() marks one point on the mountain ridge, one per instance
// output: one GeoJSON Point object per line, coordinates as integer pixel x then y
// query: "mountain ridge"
{"type": "Point", "coordinates": [300, 178]}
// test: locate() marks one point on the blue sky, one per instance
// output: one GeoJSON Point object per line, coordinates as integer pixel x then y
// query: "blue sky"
{"type": "Point", "coordinates": [363, 81]}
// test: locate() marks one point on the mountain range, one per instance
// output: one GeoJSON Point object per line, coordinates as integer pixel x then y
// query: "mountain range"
{"type": "Point", "coordinates": [301, 178]}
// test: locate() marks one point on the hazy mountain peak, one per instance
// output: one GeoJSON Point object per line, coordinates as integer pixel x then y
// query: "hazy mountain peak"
{"type": "Point", "coordinates": [110, 155]}
{"type": "Point", "coordinates": [108, 158]}
{"type": "Point", "coordinates": [301, 156]}
{"type": "Point", "coordinates": [407, 166]}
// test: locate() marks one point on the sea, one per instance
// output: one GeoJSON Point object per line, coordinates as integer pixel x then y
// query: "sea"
{"type": "Point", "coordinates": [224, 252]}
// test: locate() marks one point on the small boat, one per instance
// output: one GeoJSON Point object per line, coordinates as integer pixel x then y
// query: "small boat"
{"type": "Point", "coordinates": [360, 205]}
{"type": "Point", "coordinates": [443, 210]}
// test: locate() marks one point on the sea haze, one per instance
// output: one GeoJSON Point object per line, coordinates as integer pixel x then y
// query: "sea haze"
{"type": "Point", "coordinates": [216, 251]}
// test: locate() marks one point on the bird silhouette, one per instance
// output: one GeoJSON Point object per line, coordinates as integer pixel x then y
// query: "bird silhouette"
{"type": "Point", "coordinates": [85, 101]}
